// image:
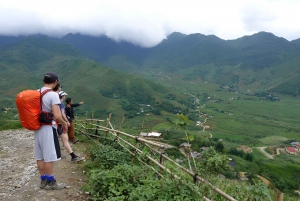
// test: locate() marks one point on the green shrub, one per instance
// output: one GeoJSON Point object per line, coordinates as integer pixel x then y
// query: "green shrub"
{"type": "Point", "coordinates": [116, 183]}
{"type": "Point", "coordinates": [165, 190]}
{"type": "Point", "coordinates": [174, 153]}
{"type": "Point", "coordinates": [106, 157]}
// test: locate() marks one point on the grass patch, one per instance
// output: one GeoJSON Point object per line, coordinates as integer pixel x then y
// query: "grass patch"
{"type": "Point", "coordinates": [258, 155]}
{"type": "Point", "coordinates": [273, 140]}
{"type": "Point", "coordinates": [271, 150]}
{"type": "Point", "coordinates": [225, 136]}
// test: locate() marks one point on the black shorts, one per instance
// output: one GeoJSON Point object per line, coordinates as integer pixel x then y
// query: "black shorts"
{"type": "Point", "coordinates": [59, 129]}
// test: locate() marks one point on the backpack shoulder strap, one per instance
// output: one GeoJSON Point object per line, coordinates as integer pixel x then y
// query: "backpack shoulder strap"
{"type": "Point", "coordinates": [42, 94]}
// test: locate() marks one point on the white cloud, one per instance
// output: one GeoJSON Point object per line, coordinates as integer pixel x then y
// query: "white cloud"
{"type": "Point", "coordinates": [146, 22]}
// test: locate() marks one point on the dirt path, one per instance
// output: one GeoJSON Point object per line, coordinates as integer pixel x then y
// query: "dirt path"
{"type": "Point", "coordinates": [278, 150]}
{"type": "Point", "coordinates": [262, 149]}
{"type": "Point", "coordinates": [202, 124]}
{"type": "Point", "coordinates": [19, 177]}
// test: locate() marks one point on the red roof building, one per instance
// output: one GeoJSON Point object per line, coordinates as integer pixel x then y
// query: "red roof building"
{"type": "Point", "coordinates": [297, 147]}
{"type": "Point", "coordinates": [290, 150]}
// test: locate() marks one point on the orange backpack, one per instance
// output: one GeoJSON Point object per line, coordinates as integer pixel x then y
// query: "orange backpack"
{"type": "Point", "coordinates": [29, 104]}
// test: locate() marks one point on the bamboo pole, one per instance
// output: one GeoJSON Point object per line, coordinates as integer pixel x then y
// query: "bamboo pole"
{"type": "Point", "coordinates": [106, 129]}
{"type": "Point", "coordinates": [107, 123]}
{"type": "Point", "coordinates": [142, 126]}
{"type": "Point", "coordinates": [122, 123]}
{"type": "Point", "coordinates": [96, 120]}
{"type": "Point", "coordinates": [131, 136]}
{"type": "Point", "coordinates": [161, 159]}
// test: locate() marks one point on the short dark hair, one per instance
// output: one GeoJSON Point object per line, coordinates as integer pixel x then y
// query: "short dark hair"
{"type": "Point", "coordinates": [68, 100]}
{"type": "Point", "coordinates": [50, 78]}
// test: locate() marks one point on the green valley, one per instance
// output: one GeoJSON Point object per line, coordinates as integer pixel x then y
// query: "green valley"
{"type": "Point", "coordinates": [244, 91]}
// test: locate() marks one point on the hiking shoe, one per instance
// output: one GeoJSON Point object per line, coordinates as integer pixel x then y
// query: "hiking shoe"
{"type": "Point", "coordinates": [74, 141]}
{"type": "Point", "coordinates": [77, 158]}
{"type": "Point", "coordinates": [53, 185]}
{"type": "Point", "coordinates": [43, 184]}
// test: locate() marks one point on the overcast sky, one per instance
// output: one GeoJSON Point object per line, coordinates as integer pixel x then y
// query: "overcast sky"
{"type": "Point", "coordinates": [147, 22]}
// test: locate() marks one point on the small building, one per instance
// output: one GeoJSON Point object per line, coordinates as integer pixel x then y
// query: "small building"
{"type": "Point", "coordinates": [203, 148]}
{"type": "Point", "coordinates": [151, 135]}
{"type": "Point", "coordinates": [195, 154]}
{"type": "Point", "coordinates": [231, 162]}
{"type": "Point", "coordinates": [185, 145]}
{"type": "Point", "coordinates": [290, 150]}
{"type": "Point", "coordinates": [245, 149]}
{"type": "Point", "coordinates": [206, 127]}
{"type": "Point", "coordinates": [154, 134]}
{"type": "Point", "coordinates": [178, 160]}
{"type": "Point", "coordinates": [294, 144]}
{"type": "Point", "coordinates": [243, 176]}
{"type": "Point", "coordinates": [297, 148]}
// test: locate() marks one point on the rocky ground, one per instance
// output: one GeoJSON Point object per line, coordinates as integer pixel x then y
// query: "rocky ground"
{"type": "Point", "coordinates": [19, 176]}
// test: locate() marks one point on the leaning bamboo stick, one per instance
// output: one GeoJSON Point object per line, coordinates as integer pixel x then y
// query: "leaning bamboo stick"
{"type": "Point", "coordinates": [128, 135]}
{"type": "Point", "coordinates": [96, 120]}
{"type": "Point", "coordinates": [114, 132]}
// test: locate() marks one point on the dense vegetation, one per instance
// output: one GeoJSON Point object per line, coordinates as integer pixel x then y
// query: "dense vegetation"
{"type": "Point", "coordinates": [114, 175]}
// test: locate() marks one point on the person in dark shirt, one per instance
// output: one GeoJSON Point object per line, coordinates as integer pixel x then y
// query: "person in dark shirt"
{"type": "Point", "coordinates": [64, 136]}
{"type": "Point", "coordinates": [70, 117]}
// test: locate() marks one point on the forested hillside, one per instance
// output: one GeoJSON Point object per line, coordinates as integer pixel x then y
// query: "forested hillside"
{"type": "Point", "coordinates": [253, 62]}
{"type": "Point", "coordinates": [250, 62]}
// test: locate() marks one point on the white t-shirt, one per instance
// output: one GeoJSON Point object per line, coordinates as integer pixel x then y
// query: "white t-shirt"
{"type": "Point", "coordinates": [49, 99]}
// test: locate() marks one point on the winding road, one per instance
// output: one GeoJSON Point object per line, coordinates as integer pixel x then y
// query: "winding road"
{"type": "Point", "coordinates": [262, 149]}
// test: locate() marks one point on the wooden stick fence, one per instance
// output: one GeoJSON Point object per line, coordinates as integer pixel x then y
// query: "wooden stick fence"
{"type": "Point", "coordinates": [108, 128]}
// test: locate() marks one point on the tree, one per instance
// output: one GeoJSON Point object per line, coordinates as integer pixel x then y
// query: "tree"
{"type": "Point", "coordinates": [214, 162]}
{"type": "Point", "coordinates": [219, 146]}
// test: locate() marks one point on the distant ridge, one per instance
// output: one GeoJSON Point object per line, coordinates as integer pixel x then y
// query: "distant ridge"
{"type": "Point", "coordinates": [255, 62]}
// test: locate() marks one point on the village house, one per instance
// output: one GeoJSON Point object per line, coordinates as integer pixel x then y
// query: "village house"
{"type": "Point", "coordinates": [294, 144]}
{"type": "Point", "coordinates": [245, 149]}
{"type": "Point", "coordinates": [151, 136]}
{"type": "Point", "coordinates": [290, 150]}
{"type": "Point", "coordinates": [203, 148]}
{"type": "Point", "coordinates": [231, 162]}
{"type": "Point", "coordinates": [178, 160]}
{"type": "Point", "coordinates": [185, 145]}
{"type": "Point", "coordinates": [297, 148]}
{"type": "Point", "coordinates": [195, 154]}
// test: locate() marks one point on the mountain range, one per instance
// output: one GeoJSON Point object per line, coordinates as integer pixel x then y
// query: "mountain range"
{"type": "Point", "coordinates": [24, 62]}
{"type": "Point", "coordinates": [102, 69]}
{"type": "Point", "coordinates": [258, 62]}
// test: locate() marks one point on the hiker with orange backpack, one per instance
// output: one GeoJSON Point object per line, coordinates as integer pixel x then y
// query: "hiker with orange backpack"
{"type": "Point", "coordinates": [46, 145]}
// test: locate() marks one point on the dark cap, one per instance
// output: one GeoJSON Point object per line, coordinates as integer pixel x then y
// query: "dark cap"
{"type": "Point", "coordinates": [50, 78]}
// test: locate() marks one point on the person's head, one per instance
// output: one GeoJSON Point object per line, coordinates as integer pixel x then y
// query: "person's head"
{"type": "Point", "coordinates": [62, 95]}
{"type": "Point", "coordinates": [50, 80]}
{"type": "Point", "coordinates": [69, 100]}
{"type": "Point", "coordinates": [57, 87]}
